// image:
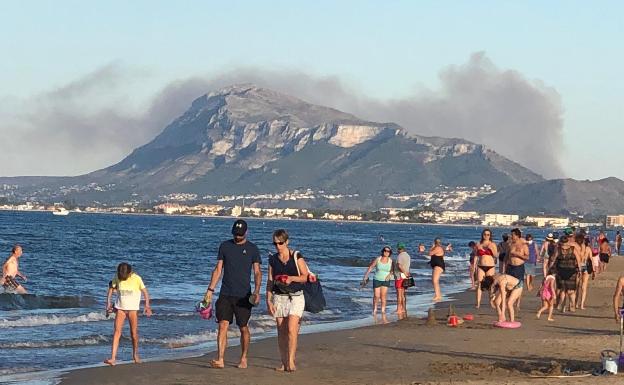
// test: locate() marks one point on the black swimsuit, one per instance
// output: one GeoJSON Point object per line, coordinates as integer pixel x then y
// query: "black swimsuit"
{"type": "Point", "coordinates": [485, 268]}
{"type": "Point", "coordinates": [437, 260]}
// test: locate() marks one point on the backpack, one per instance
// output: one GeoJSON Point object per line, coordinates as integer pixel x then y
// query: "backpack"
{"type": "Point", "coordinates": [312, 292]}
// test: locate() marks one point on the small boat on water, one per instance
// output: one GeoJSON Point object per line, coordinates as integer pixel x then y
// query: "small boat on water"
{"type": "Point", "coordinates": [60, 211]}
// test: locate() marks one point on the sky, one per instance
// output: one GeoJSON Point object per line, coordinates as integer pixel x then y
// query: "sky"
{"type": "Point", "coordinates": [83, 83]}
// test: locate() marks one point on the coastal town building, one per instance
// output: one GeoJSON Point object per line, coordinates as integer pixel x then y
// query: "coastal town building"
{"type": "Point", "coordinates": [457, 216]}
{"type": "Point", "coordinates": [499, 219]}
{"type": "Point", "coordinates": [615, 220]}
{"type": "Point", "coordinates": [548, 221]}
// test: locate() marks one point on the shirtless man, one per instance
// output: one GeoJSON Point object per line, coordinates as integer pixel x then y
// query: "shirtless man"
{"type": "Point", "coordinates": [618, 242]}
{"type": "Point", "coordinates": [505, 290]}
{"type": "Point", "coordinates": [10, 271]}
{"type": "Point", "coordinates": [586, 269]}
{"type": "Point", "coordinates": [517, 257]}
{"type": "Point", "coordinates": [487, 252]}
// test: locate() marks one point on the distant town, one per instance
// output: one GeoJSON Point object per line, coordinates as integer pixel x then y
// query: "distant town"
{"type": "Point", "coordinates": [438, 207]}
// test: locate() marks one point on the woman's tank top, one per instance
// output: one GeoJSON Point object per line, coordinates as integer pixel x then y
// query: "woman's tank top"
{"type": "Point", "coordinates": [382, 269]}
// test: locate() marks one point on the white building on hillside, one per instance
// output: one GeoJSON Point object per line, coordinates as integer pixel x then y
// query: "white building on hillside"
{"type": "Point", "coordinates": [548, 222]}
{"type": "Point", "coordinates": [499, 219]}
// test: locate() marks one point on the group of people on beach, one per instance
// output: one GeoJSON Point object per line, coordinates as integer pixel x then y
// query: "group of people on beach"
{"type": "Point", "coordinates": [565, 262]}
{"type": "Point", "coordinates": [388, 271]}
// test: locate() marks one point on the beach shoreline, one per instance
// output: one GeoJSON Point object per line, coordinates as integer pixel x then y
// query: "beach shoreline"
{"type": "Point", "coordinates": [409, 351]}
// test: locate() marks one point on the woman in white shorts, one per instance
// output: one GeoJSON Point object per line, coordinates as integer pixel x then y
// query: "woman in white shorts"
{"type": "Point", "coordinates": [288, 273]}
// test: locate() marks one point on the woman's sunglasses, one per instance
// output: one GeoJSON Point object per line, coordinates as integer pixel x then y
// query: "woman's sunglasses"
{"type": "Point", "coordinates": [387, 251]}
{"type": "Point", "coordinates": [278, 243]}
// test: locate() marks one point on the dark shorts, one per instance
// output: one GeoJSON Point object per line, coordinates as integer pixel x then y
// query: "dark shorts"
{"type": "Point", "coordinates": [377, 283]}
{"type": "Point", "coordinates": [10, 283]}
{"type": "Point", "coordinates": [229, 307]}
{"type": "Point", "coordinates": [604, 257]}
{"type": "Point", "coordinates": [516, 271]}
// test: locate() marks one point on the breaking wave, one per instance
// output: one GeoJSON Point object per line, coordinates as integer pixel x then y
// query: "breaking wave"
{"type": "Point", "coordinates": [84, 341]}
{"type": "Point", "coordinates": [40, 320]}
{"type": "Point", "coordinates": [10, 301]}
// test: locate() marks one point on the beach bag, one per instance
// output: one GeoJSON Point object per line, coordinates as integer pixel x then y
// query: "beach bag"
{"type": "Point", "coordinates": [312, 292]}
{"type": "Point", "coordinates": [408, 282]}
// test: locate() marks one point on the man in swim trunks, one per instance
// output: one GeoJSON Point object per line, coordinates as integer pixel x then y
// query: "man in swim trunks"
{"type": "Point", "coordinates": [505, 290]}
{"type": "Point", "coordinates": [518, 255]}
{"type": "Point", "coordinates": [236, 259]}
{"type": "Point", "coordinates": [605, 253]}
{"type": "Point", "coordinates": [10, 271]}
{"type": "Point", "coordinates": [618, 242]}
{"type": "Point", "coordinates": [503, 249]}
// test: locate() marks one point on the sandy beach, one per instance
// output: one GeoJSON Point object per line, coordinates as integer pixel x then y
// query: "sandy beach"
{"type": "Point", "coordinates": [411, 352]}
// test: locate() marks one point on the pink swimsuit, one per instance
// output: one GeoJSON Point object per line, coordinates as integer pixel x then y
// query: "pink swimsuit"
{"type": "Point", "coordinates": [547, 292]}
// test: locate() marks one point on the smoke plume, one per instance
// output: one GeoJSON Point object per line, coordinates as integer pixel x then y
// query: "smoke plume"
{"type": "Point", "coordinates": [88, 124]}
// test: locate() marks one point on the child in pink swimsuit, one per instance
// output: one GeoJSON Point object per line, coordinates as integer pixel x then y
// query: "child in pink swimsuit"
{"type": "Point", "coordinates": [547, 293]}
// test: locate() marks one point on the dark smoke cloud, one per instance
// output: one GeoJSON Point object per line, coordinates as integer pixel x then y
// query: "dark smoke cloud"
{"type": "Point", "coordinates": [515, 116]}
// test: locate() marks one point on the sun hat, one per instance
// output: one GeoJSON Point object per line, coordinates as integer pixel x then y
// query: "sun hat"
{"type": "Point", "coordinates": [550, 237]}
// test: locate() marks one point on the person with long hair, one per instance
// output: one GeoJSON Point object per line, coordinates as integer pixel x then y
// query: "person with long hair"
{"type": "Point", "coordinates": [487, 253]}
{"type": "Point", "coordinates": [586, 269]}
{"type": "Point", "coordinates": [567, 261]}
{"type": "Point", "coordinates": [437, 267]}
{"type": "Point", "coordinates": [382, 279]}
{"type": "Point", "coordinates": [288, 272]}
{"type": "Point", "coordinates": [129, 286]}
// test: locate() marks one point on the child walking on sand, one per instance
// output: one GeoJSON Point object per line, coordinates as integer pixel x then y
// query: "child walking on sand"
{"type": "Point", "coordinates": [128, 286]}
{"type": "Point", "coordinates": [548, 294]}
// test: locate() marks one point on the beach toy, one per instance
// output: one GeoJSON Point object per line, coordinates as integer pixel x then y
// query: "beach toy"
{"type": "Point", "coordinates": [609, 360]}
{"type": "Point", "coordinates": [507, 324]}
{"type": "Point", "coordinates": [204, 309]}
{"type": "Point", "coordinates": [468, 317]}
{"type": "Point", "coordinates": [454, 321]}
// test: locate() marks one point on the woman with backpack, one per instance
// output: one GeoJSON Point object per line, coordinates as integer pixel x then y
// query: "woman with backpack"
{"type": "Point", "coordinates": [288, 272]}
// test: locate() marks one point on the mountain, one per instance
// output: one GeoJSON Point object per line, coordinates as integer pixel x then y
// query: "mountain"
{"type": "Point", "coordinates": [560, 196]}
{"type": "Point", "coordinates": [246, 139]}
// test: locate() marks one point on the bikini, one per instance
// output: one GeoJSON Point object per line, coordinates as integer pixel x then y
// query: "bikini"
{"type": "Point", "coordinates": [481, 253]}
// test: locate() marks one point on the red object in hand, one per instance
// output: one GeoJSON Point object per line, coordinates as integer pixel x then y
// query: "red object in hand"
{"type": "Point", "coordinates": [281, 278]}
{"type": "Point", "coordinates": [312, 278]}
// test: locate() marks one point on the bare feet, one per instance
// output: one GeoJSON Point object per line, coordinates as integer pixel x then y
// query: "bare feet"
{"type": "Point", "coordinates": [216, 364]}
{"type": "Point", "coordinates": [538, 315]}
{"type": "Point", "coordinates": [280, 368]}
{"type": "Point", "coordinates": [136, 359]}
{"type": "Point", "coordinates": [437, 299]}
{"type": "Point", "coordinates": [551, 319]}
{"type": "Point", "coordinates": [242, 364]}
{"type": "Point", "coordinates": [110, 362]}
{"type": "Point", "coordinates": [291, 367]}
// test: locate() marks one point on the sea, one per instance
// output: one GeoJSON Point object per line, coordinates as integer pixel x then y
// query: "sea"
{"type": "Point", "coordinates": [69, 261]}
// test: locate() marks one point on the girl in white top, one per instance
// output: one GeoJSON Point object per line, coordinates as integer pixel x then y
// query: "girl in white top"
{"type": "Point", "coordinates": [128, 286]}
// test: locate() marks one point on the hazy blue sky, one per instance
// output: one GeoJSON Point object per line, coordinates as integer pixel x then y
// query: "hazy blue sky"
{"type": "Point", "coordinates": [380, 50]}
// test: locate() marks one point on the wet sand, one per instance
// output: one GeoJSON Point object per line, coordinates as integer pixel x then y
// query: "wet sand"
{"type": "Point", "coordinates": [411, 352]}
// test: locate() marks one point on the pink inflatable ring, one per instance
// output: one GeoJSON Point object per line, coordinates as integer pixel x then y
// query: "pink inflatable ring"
{"type": "Point", "coordinates": [507, 324]}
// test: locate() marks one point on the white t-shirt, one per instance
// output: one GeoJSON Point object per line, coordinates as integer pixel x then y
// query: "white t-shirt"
{"type": "Point", "coordinates": [128, 292]}
{"type": "Point", "coordinates": [405, 261]}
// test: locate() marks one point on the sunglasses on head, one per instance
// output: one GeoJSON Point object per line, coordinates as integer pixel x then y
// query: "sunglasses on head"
{"type": "Point", "coordinates": [278, 243]}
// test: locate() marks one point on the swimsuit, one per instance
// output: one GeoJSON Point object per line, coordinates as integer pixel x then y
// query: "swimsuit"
{"type": "Point", "coordinates": [566, 271]}
{"type": "Point", "coordinates": [437, 260]}
{"type": "Point", "coordinates": [10, 283]}
{"type": "Point", "coordinates": [485, 269]}
{"type": "Point", "coordinates": [516, 271]}
{"type": "Point", "coordinates": [604, 257]}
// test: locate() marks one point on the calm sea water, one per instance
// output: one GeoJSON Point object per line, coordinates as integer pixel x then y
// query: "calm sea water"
{"type": "Point", "coordinates": [69, 261]}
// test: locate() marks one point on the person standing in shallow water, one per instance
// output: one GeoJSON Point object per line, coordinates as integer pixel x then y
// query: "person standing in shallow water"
{"type": "Point", "coordinates": [402, 272]}
{"type": "Point", "coordinates": [236, 259]}
{"type": "Point", "coordinates": [10, 271]}
{"type": "Point", "coordinates": [437, 267]}
{"type": "Point", "coordinates": [487, 252]}
{"type": "Point", "coordinates": [382, 278]}
{"type": "Point", "coordinates": [618, 242]}
{"type": "Point", "coordinates": [129, 286]}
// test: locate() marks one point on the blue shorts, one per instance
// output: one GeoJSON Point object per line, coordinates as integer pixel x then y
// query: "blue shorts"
{"type": "Point", "coordinates": [377, 283]}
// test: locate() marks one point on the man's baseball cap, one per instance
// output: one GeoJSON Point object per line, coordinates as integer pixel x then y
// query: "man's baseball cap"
{"type": "Point", "coordinates": [401, 246]}
{"type": "Point", "coordinates": [239, 228]}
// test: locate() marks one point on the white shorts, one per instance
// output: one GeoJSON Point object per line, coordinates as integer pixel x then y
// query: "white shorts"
{"type": "Point", "coordinates": [289, 305]}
